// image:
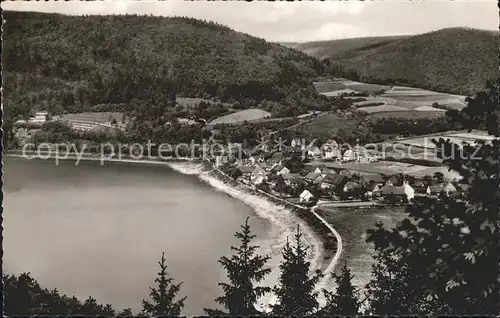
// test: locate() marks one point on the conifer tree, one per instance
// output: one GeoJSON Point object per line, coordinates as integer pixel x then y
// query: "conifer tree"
{"type": "Point", "coordinates": [163, 297]}
{"type": "Point", "coordinates": [296, 289]}
{"type": "Point", "coordinates": [344, 301]}
{"type": "Point", "coordinates": [444, 258]}
{"type": "Point", "coordinates": [244, 268]}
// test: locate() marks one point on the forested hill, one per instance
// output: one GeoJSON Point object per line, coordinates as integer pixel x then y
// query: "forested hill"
{"type": "Point", "coordinates": [457, 60]}
{"type": "Point", "coordinates": [75, 62]}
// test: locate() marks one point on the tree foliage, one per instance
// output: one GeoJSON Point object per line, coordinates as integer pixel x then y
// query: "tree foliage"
{"type": "Point", "coordinates": [345, 300]}
{"type": "Point", "coordinates": [296, 288]}
{"type": "Point", "coordinates": [444, 258]}
{"type": "Point", "coordinates": [244, 268]}
{"type": "Point", "coordinates": [163, 296]}
{"type": "Point", "coordinates": [23, 296]}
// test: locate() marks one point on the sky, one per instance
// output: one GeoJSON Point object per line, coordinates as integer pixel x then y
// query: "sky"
{"type": "Point", "coordinates": [299, 21]}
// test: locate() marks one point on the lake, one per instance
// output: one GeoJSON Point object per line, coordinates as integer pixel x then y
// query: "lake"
{"type": "Point", "coordinates": [99, 231]}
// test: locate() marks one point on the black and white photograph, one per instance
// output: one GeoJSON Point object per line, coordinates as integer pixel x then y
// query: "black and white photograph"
{"type": "Point", "coordinates": [250, 158]}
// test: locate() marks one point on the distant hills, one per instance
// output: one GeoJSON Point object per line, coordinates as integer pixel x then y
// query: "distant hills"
{"type": "Point", "coordinates": [331, 48]}
{"type": "Point", "coordinates": [454, 60]}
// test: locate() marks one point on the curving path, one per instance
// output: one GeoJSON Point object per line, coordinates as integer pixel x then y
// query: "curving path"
{"type": "Point", "coordinates": [336, 257]}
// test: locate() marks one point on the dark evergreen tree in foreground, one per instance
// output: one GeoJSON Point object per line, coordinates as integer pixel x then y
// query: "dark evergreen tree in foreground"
{"type": "Point", "coordinates": [244, 268]}
{"type": "Point", "coordinates": [444, 258]}
{"type": "Point", "coordinates": [163, 297]}
{"type": "Point", "coordinates": [296, 289]}
{"type": "Point", "coordinates": [344, 301]}
{"type": "Point", "coordinates": [23, 296]}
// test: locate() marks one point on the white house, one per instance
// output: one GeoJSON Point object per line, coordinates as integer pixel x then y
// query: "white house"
{"type": "Point", "coordinates": [258, 175]}
{"type": "Point", "coordinates": [331, 153]}
{"type": "Point", "coordinates": [40, 117]}
{"type": "Point", "coordinates": [284, 171]}
{"type": "Point", "coordinates": [409, 191]}
{"type": "Point", "coordinates": [258, 179]}
{"type": "Point", "coordinates": [349, 155]}
{"type": "Point", "coordinates": [297, 142]}
{"type": "Point", "coordinates": [305, 196]}
{"type": "Point", "coordinates": [314, 152]}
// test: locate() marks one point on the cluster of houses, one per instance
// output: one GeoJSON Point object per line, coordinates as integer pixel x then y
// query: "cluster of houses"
{"type": "Point", "coordinates": [311, 183]}
{"type": "Point", "coordinates": [331, 151]}
{"type": "Point", "coordinates": [39, 118]}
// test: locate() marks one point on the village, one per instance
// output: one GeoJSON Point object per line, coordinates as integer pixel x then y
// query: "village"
{"type": "Point", "coordinates": [309, 175]}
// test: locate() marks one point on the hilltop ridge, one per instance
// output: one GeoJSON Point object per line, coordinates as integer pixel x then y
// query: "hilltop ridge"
{"type": "Point", "coordinates": [457, 60]}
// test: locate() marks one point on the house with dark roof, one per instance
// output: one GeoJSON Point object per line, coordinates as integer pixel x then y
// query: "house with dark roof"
{"type": "Point", "coordinates": [334, 181]}
{"type": "Point", "coordinates": [346, 173]}
{"type": "Point", "coordinates": [371, 178]}
{"type": "Point", "coordinates": [312, 175]}
{"type": "Point", "coordinates": [293, 179]}
{"type": "Point", "coordinates": [393, 193]}
{"type": "Point", "coordinates": [319, 178]}
{"type": "Point", "coordinates": [246, 170]}
{"type": "Point", "coordinates": [447, 188]}
{"type": "Point", "coordinates": [351, 186]}
{"type": "Point", "coordinates": [402, 193]}
{"type": "Point", "coordinates": [392, 181]}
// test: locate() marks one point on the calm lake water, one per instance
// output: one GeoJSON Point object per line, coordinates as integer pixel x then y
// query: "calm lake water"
{"type": "Point", "coordinates": [99, 231]}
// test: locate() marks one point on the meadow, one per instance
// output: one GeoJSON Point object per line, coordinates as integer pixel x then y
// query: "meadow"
{"type": "Point", "coordinates": [398, 100]}
{"type": "Point", "coordinates": [95, 117]}
{"type": "Point", "coordinates": [252, 114]}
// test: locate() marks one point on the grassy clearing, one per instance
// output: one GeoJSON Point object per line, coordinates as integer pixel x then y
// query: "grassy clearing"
{"type": "Point", "coordinates": [405, 88]}
{"type": "Point", "coordinates": [424, 142]}
{"type": "Point", "coordinates": [328, 124]}
{"type": "Point", "coordinates": [325, 87]}
{"type": "Point", "coordinates": [430, 171]}
{"type": "Point", "coordinates": [428, 109]}
{"type": "Point", "coordinates": [368, 88]}
{"type": "Point", "coordinates": [98, 117]}
{"type": "Point", "coordinates": [252, 114]}
{"type": "Point", "coordinates": [430, 98]}
{"type": "Point", "coordinates": [407, 114]}
{"type": "Point", "coordinates": [338, 93]}
{"type": "Point", "coordinates": [475, 135]}
{"type": "Point", "coordinates": [383, 108]}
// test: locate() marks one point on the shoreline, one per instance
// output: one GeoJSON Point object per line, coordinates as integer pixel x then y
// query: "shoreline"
{"type": "Point", "coordinates": [324, 246]}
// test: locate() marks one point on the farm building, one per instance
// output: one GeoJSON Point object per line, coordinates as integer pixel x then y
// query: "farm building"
{"type": "Point", "coordinates": [402, 193]}
{"type": "Point", "coordinates": [334, 181]}
{"type": "Point", "coordinates": [447, 188]}
{"type": "Point", "coordinates": [293, 179]}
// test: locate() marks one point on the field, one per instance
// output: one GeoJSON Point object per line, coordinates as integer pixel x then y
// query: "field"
{"type": "Point", "coordinates": [339, 92]}
{"type": "Point", "coordinates": [96, 117]}
{"type": "Point", "coordinates": [367, 88]}
{"type": "Point", "coordinates": [396, 99]}
{"type": "Point", "coordinates": [352, 223]}
{"type": "Point", "coordinates": [383, 109]}
{"type": "Point", "coordinates": [328, 124]}
{"type": "Point", "coordinates": [407, 114]}
{"type": "Point", "coordinates": [252, 114]}
{"type": "Point", "coordinates": [324, 87]}
{"type": "Point", "coordinates": [475, 135]}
